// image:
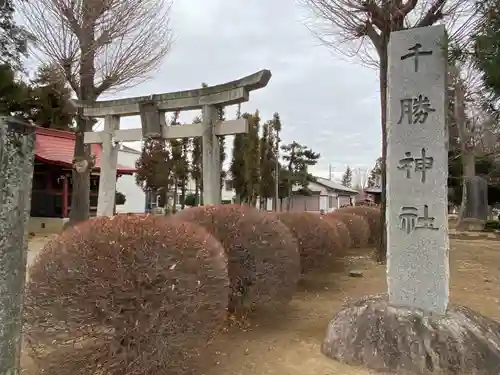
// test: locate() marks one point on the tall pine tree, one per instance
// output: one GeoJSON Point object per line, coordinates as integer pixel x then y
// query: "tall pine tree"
{"type": "Point", "coordinates": [267, 165]}
{"type": "Point", "coordinates": [179, 165]}
{"type": "Point", "coordinates": [298, 158]}
{"type": "Point", "coordinates": [196, 165]}
{"type": "Point", "coordinates": [252, 158]}
{"type": "Point", "coordinates": [375, 174]}
{"type": "Point", "coordinates": [155, 168]}
{"type": "Point", "coordinates": [13, 38]}
{"type": "Point", "coordinates": [347, 177]}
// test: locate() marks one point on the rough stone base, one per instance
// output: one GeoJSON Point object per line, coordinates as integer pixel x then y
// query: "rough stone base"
{"type": "Point", "coordinates": [471, 225]}
{"type": "Point", "coordinates": [406, 341]}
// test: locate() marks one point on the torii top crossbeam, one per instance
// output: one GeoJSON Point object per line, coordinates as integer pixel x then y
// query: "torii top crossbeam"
{"type": "Point", "coordinates": [229, 93]}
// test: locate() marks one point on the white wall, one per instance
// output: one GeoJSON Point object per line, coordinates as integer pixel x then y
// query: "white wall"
{"type": "Point", "coordinates": [227, 194]}
{"type": "Point", "coordinates": [135, 198]}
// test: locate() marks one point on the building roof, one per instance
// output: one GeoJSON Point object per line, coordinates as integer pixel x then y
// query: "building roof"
{"type": "Point", "coordinates": [57, 147]}
{"type": "Point", "coordinates": [374, 190]}
{"type": "Point", "coordinates": [335, 186]}
{"type": "Point", "coordinates": [129, 150]}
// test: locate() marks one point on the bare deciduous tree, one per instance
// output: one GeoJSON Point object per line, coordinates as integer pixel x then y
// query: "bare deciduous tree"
{"type": "Point", "coordinates": [476, 128]}
{"type": "Point", "coordinates": [98, 45]}
{"type": "Point", "coordinates": [361, 28]}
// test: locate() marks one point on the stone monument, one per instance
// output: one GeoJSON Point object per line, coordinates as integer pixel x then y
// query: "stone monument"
{"type": "Point", "coordinates": [152, 110]}
{"type": "Point", "coordinates": [474, 209]}
{"type": "Point", "coordinates": [17, 142]}
{"type": "Point", "coordinates": [412, 330]}
{"type": "Point", "coordinates": [417, 171]}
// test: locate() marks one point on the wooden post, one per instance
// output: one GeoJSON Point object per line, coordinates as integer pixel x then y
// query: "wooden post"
{"type": "Point", "coordinates": [65, 196]}
{"type": "Point", "coordinates": [17, 142]}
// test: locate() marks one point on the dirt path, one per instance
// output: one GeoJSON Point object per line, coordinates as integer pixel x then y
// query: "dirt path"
{"type": "Point", "coordinates": [289, 343]}
{"type": "Point", "coordinates": [35, 245]}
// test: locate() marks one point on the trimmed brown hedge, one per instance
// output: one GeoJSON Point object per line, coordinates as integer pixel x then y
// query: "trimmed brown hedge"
{"type": "Point", "coordinates": [372, 216]}
{"type": "Point", "coordinates": [359, 230]}
{"type": "Point", "coordinates": [318, 240]}
{"type": "Point", "coordinates": [342, 231]}
{"type": "Point", "coordinates": [125, 295]}
{"type": "Point", "coordinates": [264, 263]}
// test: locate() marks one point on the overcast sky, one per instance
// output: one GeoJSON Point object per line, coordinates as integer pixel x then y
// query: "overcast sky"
{"type": "Point", "coordinates": [325, 102]}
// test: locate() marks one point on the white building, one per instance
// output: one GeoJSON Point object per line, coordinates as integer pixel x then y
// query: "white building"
{"type": "Point", "coordinates": [135, 198]}
{"type": "Point", "coordinates": [326, 196]}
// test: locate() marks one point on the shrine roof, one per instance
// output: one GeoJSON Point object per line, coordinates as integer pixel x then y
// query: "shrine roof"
{"type": "Point", "coordinates": [57, 147]}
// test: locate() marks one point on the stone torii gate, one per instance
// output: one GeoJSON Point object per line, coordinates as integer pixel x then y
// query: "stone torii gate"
{"type": "Point", "coordinates": [152, 110]}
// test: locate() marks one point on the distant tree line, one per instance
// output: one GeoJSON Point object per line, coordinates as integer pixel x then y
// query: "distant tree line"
{"type": "Point", "coordinates": [168, 165]}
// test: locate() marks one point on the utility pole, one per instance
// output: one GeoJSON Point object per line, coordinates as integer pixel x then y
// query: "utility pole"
{"type": "Point", "coordinates": [277, 129]}
{"type": "Point", "coordinates": [277, 172]}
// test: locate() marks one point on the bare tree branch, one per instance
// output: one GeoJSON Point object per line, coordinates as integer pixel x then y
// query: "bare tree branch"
{"type": "Point", "coordinates": [345, 26]}
{"type": "Point", "coordinates": [130, 38]}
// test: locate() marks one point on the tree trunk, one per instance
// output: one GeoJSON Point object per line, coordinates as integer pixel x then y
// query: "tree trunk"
{"type": "Point", "coordinates": [381, 252]}
{"type": "Point", "coordinates": [289, 200]}
{"type": "Point", "coordinates": [196, 193]}
{"type": "Point", "coordinates": [467, 148]}
{"type": "Point", "coordinates": [82, 161]}
{"type": "Point", "coordinates": [80, 194]}
{"type": "Point", "coordinates": [166, 211]}
{"type": "Point", "coordinates": [183, 194]}
{"type": "Point", "coordinates": [174, 205]}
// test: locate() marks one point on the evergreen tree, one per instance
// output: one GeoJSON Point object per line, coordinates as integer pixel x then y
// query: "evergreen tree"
{"type": "Point", "coordinates": [251, 148]}
{"type": "Point", "coordinates": [183, 173]}
{"type": "Point", "coordinates": [375, 173]}
{"type": "Point", "coordinates": [13, 93]}
{"type": "Point", "coordinates": [267, 164]}
{"type": "Point", "coordinates": [179, 164]}
{"type": "Point", "coordinates": [222, 147]}
{"type": "Point", "coordinates": [49, 96]}
{"type": "Point", "coordinates": [487, 41]}
{"type": "Point", "coordinates": [298, 158]}
{"type": "Point", "coordinates": [155, 168]}
{"type": "Point", "coordinates": [196, 164]}
{"type": "Point", "coordinates": [347, 177]}
{"type": "Point", "coordinates": [276, 127]}
{"type": "Point", "coordinates": [43, 100]}
{"type": "Point", "coordinates": [237, 168]}
{"type": "Point", "coordinates": [12, 37]}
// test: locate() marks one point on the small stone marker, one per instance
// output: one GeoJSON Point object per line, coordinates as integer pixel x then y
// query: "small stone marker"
{"type": "Point", "coordinates": [17, 142]}
{"type": "Point", "coordinates": [474, 214]}
{"type": "Point", "coordinates": [356, 273]}
{"type": "Point", "coordinates": [417, 170]}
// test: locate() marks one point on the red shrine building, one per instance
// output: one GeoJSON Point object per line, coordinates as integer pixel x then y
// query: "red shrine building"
{"type": "Point", "coordinates": [52, 179]}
